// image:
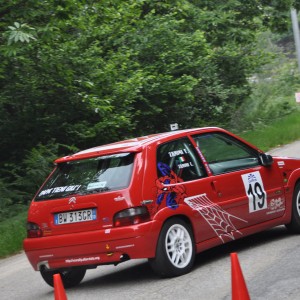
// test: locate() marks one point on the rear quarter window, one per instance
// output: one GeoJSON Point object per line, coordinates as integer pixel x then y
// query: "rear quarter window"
{"type": "Point", "coordinates": [180, 157]}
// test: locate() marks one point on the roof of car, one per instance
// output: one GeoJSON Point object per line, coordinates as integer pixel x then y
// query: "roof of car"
{"type": "Point", "coordinates": [132, 145]}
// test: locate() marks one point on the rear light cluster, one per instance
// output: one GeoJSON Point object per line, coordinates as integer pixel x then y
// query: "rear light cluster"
{"type": "Point", "coordinates": [131, 216]}
{"type": "Point", "coordinates": [33, 230]}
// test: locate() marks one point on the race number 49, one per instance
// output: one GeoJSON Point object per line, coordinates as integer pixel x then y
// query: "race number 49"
{"type": "Point", "coordinates": [255, 191]}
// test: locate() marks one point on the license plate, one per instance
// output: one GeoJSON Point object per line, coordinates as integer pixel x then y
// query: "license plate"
{"type": "Point", "coordinates": [77, 216]}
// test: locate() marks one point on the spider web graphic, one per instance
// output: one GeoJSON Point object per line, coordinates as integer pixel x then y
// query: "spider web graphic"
{"type": "Point", "coordinates": [217, 218]}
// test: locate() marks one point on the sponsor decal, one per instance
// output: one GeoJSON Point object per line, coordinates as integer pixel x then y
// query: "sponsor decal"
{"type": "Point", "coordinates": [167, 191]}
{"type": "Point", "coordinates": [185, 165]}
{"type": "Point", "coordinates": [82, 260]}
{"type": "Point", "coordinates": [276, 205]}
{"type": "Point", "coordinates": [96, 185]}
{"type": "Point", "coordinates": [146, 202]}
{"type": "Point", "coordinates": [125, 246]}
{"type": "Point", "coordinates": [218, 219]}
{"type": "Point", "coordinates": [182, 163]}
{"type": "Point", "coordinates": [60, 189]}
{"type": "Point", "coordinates": [105, 226]}
{"type": "Point", "coordinates": [178, 152]}
{"type": "Point", "coordinates": [281, 164]}
{"type": "Point", "coordinates": [119, 198]}
{"type": "Point", "coordinates": [255, 191]}
{"type": "Point", "coordinates": [181, 160]}
{"type": "Point", "coordinates": [207, 168]}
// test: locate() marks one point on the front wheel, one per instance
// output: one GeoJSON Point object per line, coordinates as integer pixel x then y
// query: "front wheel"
{"type": "Point", "coordinates": [294, 225]}
{"type": "Point", "coordinates": [70, 277]}
{"type": "Point", "coordinates": [175, 252]}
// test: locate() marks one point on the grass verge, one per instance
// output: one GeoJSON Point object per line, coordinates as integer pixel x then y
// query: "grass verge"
{"type": "Point", "coordinates": [282, 131]}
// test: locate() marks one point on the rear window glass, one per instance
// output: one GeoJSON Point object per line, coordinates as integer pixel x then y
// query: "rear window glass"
{"type": "Point", "coordinates": [94, 175]}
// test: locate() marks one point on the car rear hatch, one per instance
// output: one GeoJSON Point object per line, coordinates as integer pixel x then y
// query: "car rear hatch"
{"type": "Point", "coordinates": [83, 195]}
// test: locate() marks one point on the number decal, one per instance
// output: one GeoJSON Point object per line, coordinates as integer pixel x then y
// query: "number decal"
{"type": "Point", "coordinates": [255, 191]}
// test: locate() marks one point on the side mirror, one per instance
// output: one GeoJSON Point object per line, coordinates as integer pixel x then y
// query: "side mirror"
{"type": "Point", "coordinates": [265, 159]}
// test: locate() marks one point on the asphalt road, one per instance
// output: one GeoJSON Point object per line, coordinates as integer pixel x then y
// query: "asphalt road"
{"type": "Point", "coordinates": [291, 150]}
{"type": "Point", "coordinates": [270, 262]}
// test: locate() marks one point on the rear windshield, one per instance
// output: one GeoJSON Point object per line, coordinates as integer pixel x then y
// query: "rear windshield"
{"type": "Point", "coordinates": [88, 176]}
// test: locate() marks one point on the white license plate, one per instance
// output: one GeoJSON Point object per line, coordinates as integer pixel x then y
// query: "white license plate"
{"type": "Point", "coordinates": [76, 216]}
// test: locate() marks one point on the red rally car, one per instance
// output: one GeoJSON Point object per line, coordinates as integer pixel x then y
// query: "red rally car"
{"type": "Point", "coordinates": [164, 197]}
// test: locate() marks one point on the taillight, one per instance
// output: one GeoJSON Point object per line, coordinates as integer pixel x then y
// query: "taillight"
{"type": "Point", "coordinates": [33, 230]}
{"type": "Point", "coordinates": [131, 216]}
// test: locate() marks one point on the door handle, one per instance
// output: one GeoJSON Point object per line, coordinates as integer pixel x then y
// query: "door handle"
{"type": "Point", "coordinates": [214, 185]}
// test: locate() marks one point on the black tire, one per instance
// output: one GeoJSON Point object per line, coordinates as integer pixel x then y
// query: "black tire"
{"type": "Point", "coordinates": [70, 277]}
{"type": "Point", "coordinates": [175, 251]}
{"type": "Point", "coordinates": [294, 225]}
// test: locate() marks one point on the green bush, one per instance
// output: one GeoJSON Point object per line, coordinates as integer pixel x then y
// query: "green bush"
{"type": "Point", "coordinates": [12, 232]}
{"type": "Point", "coordinates": [23, 180]}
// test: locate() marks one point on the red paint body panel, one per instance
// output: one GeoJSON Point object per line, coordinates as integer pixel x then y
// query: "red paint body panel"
{"type": "Point", "coordinates": [93, 247]}
{"type": "Point", "coordinates": [220, 206]}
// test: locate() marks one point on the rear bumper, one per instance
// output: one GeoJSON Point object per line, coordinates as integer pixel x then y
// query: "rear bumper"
{"type": "Point", "coordinates": [94, 247]}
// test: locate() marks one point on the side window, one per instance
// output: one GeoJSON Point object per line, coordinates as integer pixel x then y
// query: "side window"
{"type": "Point", "coordinates": [225, 154]}
{"type": "Point", "coordinates": [180, 157]}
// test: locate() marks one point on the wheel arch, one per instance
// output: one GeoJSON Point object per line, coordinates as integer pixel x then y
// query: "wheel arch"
{"type": "Point", "coordinates": [184, 218]}
{"type": "Point", "coordinates": [296, 183]}
{"type": "Point", "coordinates": [183, 212]}
{"type": "Point", "coordinates": [294, 179]}
{"type": "Point", "coordinates": [294, 222]}
{"type": "Point", "coordinates": [290, 187]}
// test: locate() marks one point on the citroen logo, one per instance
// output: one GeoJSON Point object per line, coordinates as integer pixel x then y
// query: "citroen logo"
{"type": "Point", "coordinates": [72, 200]}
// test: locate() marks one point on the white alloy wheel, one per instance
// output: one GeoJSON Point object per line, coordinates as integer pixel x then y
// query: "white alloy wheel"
{"type": "Point", "coordinates": [179, 247]}
{"type": "Point", "coordinates": [298, 203]}
{"type": "Point", "coordinates": [175, 251]}
{"type": "Point", "coordinates": [294, 225]}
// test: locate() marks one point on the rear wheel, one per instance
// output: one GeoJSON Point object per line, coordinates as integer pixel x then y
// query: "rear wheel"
{"type": "Point", "coordinates": [294, 225]}
{"type": "Point", "coordinates": [70, 277]}
{"type": "Point", "coordinates": [175, 252]}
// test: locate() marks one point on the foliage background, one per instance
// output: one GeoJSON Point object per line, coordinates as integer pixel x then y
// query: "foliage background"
{"type": "Point", "coordinates": [75, 74]}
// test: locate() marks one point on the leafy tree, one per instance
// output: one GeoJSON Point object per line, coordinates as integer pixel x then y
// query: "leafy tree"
{"type": "Point", "coordinates": [91, 72]}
